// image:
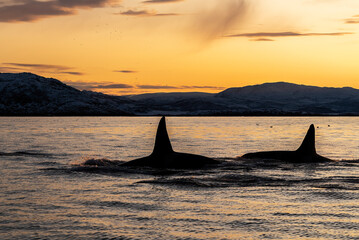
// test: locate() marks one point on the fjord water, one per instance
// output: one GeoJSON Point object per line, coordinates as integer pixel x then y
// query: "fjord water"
{"type": "Point", "coordinates": [47, 193]}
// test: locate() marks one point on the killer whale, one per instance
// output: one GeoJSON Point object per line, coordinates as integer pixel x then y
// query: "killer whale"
{"type": "Point", "coordinates": [306, 153]}
{"type": "Point", "coordinates": [163, 155]}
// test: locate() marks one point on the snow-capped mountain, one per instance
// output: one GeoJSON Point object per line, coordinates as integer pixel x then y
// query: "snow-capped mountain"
{"type": "Point", "coordinates": [30, 94]}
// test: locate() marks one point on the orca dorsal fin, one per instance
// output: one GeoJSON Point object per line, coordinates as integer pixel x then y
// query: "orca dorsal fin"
{"type": "Point", "coordinates": [162, 142]}
{"type": "Point", "coordinates": [308, 144]}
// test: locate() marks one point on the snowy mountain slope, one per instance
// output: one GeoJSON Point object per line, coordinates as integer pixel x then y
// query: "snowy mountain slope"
{"type": "Point", "coordinates": [30, 94]}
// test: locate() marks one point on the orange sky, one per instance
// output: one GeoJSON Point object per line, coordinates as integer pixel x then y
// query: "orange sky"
{"type": "Point", "coordinates": [132, 46]}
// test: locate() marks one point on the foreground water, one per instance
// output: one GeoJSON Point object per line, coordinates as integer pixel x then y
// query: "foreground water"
{"type": "Point", "coordinates": [46, 193]}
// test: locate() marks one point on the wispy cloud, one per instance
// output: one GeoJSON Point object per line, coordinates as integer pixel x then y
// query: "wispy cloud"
{"type": "Point", "coordinates": [216, 21]}
{"type": "Point", "coordinates": [202, 87]}
{"type": "Point", "coordinates": [124, 86]}
{"type": "Point", "coordinates": [145, 13]}
{"type": "Point", "coordinates": [137, 13]}
{"type": "Point", "coordinates": [112, 86]}
{"type": "Point", "coordinates": [263, 40]}
{"type": "Point", "coordinates": [44, 68]}
{"type": "Point", "coordinates": [176, 87]}
{"type": "Point", "coordinates": [263, 36]}
{"type": "Point", "coordinates": [155, 87]}
{"type": "Point", "coordinates": [97, 85]}
{"type": "Point", "coordinates": [125, 71]}
{"type": "Point", "coordinates": [72, 73]}
{"type": "Point", "coordinates": [32, 10]}
{"type": "Point", "coordinates": [39, 66]}
{"type": "Point", "coordinates": [352, 20]}
{"type": "Point", "coordinates": [162, 1]}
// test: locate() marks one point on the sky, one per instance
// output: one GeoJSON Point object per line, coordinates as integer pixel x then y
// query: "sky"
{"type": "Point", "coordinates": [139, 46]}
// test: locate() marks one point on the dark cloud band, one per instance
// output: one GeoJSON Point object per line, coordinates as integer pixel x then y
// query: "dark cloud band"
{"type": "Point", "coordinates": [352, 20]}
{"type": "Point", "coordinates": [26, 67]}
{"type": "Point", "coordinates": [162, 1]}
{"type": "Point", "coordinates": [125, 71]}
{"type": "Point", "coordinates": [265, 36]}
{"type": "Point", "coordinates": [145, 13]}
{"type": "Point", "coordinates": [31, 10]}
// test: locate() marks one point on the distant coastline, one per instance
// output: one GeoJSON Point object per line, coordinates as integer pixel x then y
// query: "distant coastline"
{"type": "Point", "coordinates": [27, 94]}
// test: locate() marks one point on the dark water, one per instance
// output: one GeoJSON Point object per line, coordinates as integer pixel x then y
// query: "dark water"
{"type": "Point", "coordinates": [46, 192]}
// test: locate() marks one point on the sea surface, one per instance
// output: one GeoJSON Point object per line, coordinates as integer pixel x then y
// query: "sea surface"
{"type": "Point", "coordinates": [47, 192]}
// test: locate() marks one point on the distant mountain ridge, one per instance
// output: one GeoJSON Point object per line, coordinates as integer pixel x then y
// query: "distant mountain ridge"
{"type": "Point", "coordinates": [30, 94]}
{"type": "Point", "coordinates": [283, 90]}
{"type": "Point", "coordinates": [27, 94]}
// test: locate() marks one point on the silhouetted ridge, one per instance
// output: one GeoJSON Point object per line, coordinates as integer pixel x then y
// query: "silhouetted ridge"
{"type": "Point", "coordinates": [29, 94]}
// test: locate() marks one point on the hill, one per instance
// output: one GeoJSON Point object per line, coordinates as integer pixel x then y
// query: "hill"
{"type": "Point", "coordinates": [30, 94]}
{"type": "Point", "coordinates": [26, 94]}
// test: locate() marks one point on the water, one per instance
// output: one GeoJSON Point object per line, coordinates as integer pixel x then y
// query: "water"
{"type": "Point", "coordinates": [47, 194]}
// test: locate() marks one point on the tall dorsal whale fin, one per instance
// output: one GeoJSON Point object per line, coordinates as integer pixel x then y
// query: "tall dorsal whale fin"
{"type": "Point", "coordinates": [308, 144]}
{"type": "Point", "coordinates": [162, 142]}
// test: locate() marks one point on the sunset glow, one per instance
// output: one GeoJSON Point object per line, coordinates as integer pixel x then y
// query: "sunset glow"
{"type": "Point", "coordinates": [132, 46]}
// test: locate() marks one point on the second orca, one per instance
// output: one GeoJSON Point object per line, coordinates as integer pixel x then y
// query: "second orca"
{"type": "Point", "coordinates": [306, 153]}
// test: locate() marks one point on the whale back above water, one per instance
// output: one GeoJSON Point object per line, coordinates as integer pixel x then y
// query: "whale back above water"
{"type": "Point", "coordinates": [305, 153]}
{"type": "Point", "coordinates": [163, 155]}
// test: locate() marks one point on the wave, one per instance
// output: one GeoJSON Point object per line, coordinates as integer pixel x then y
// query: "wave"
{"type": "Point", "coordinates": [26, 153]}
{"type": "Point", "coordinates": [230, 173]}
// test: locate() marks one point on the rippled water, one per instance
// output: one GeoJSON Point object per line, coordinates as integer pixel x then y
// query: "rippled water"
{"type": "Point", "coordinates": [47, 194]}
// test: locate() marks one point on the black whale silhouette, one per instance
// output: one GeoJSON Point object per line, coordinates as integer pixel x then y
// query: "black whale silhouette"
{"type": "Point", "coordinates": [305, 153]}
{"type": "Point", "coordinates": [163, 156]}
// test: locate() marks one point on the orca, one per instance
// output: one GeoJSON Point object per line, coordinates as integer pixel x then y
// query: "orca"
{"type": "Point", "coordinates": [306, 153]}
{"type": "Point", "coordinates": [163, 156]}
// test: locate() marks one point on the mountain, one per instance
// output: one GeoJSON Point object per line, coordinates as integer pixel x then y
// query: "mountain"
{"type": "Point", "coordinates": [30, 94]}
{"type": "Point", "coordinates": [289, 97]}
{"type": "Point", "coordinates": [25, 94]}
{"type": "Point", "coordinates": [265, 99]}
{"type": "Point", "coordinates": [188, 103]}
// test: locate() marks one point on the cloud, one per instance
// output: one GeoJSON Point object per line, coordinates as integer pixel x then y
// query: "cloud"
{"type": "Point", "coordinates": [47, 68]}
{"type": "Point", "coordinates": [352, 20]}
{"type": "Point", "coordinates": [145, 13]}
{"type": "Point", "coordinates": [97, 85]}
{"type": "Point", "coordinates": [263, 40]}
{"type": "Point", "coordinates": [39, 66]}
{"type": "Point", "coordinates": [85, 3]}
{"type": "Point", "coordinates": [162, 1]}
{"type": "Point", "coordinates": [263, 35]}
{"type": "Point", "coordinates": [216, 21]}
{"type": "Point", "coordinates": [121, 88]}
{"type": "Point", "coordinates": [113, 86]}
{"type": "Point", "coordinates": [137, 13]}
{"type": "Point", "coordinates": [166, 14]}
{"type": "Point", "coordinates": [32, 10]}
{"type": "Point", "coordinates": [176, 87]}
{"type": "Point", "coordinates": [201, 87]}
{"type": "Point", "coordinates": [155, 87]}
{"type": "Point", "coordinates": [125, 71]}
{"type": "Point", "coordinates": [72, 73]}
{"type": "Point", "coordinates": [10, 69]}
